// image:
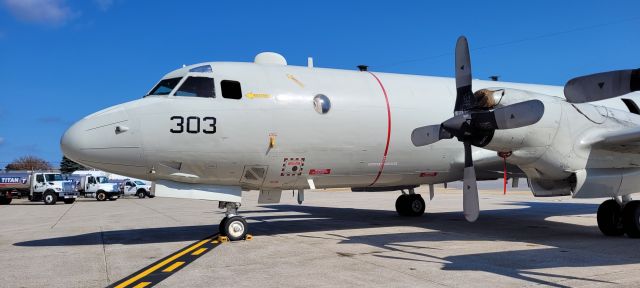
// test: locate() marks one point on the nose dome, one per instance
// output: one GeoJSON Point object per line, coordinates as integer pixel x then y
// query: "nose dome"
{"type": "Point", "coordinates": [108, 140]}
{"type": "Point", "coordinates": [71, 142]}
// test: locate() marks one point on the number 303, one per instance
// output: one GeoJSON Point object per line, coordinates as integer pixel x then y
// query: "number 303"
{"type": "Point", "coordinates": [192, 124]}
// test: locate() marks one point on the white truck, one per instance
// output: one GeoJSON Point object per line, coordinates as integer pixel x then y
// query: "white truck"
{"type": "Point", "coordinates": [134, 187]}
{"type": "Point", "coordinates": [99, 187]}
{"type": "Point", "coordinates": [48, 187]}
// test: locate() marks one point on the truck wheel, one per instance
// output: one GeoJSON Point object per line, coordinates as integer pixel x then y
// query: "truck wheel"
{"type": "Point", "coordinates": [50, 198]}
{"type": "Point", "coordinates": [101, 196]}
{"type": "Point", "coordinates": [69, 201]}
{"type": "Point", "coordinates": [141, 193]}
{"type": "Point", "coordinates": [6, 199]}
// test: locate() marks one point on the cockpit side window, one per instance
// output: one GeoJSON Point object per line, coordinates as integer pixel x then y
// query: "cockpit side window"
{"type": "Point", "coordinates": [231, 89]}
{"type": "Point", "coordinates": [165, 86]}
{"type": "Point", "coordinates": [197, 87]}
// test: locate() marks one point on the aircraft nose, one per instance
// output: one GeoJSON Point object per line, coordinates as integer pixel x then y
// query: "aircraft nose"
{"type": "Point", "coordinates": [108, 140]}
{"type": "Point", "coordinates": [71, 142]}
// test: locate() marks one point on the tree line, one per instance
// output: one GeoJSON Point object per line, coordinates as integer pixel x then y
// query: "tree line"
{"type": "Point", "coordinates": [30, 162]}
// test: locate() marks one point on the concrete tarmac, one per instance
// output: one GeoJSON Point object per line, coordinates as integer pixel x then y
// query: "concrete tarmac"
{"type": "Point", "coordinates": [335, 239]}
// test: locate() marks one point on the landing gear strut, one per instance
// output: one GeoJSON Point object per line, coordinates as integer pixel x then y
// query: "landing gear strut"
{"type": "Point", "coordinates": [410, 204]}
{"type": "Point", "coordinates": [232, 225]}
{"type": "Point", "coordinates": [620, 216]}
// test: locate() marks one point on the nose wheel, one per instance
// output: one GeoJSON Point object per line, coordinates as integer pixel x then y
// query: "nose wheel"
{"type": "Point", "coordinates": [411, 204]}
{"type": "Point", "coordinates": [232, 225]}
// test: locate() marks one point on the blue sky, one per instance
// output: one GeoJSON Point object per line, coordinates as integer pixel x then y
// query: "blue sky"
{"type": "Point", "coordinates": [61, 60]}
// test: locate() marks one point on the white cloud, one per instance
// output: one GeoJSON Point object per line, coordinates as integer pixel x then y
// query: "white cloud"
{"type": "Point", "coordinates": [104, 5]}
{"type": "Point", "coordinates": [40, 11]}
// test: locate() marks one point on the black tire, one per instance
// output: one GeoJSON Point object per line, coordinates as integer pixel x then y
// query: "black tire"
{"type": "Point", "coordinates": [610, 218]}
{"type": "Point", "coordinates": [69, 201]}
{"type": "Point", "coordinates": [101, 196]}
{"type": "Point", "coordinates": [5, 201]}
{"type": "Point", "coordinates": [141, 193]}
{"type": "Point", "coordinates": [415, 205]}
{"type": "Point", "coordinates": [235, 228]}
{"type": "Point", "coordinates": [49, 198]}
{"type": "Point", "coordinates": [221, 226]}
{"type": "Point", "coordinates": [631, 219]}
{"type": "Point", "coordinates": [401, 205]}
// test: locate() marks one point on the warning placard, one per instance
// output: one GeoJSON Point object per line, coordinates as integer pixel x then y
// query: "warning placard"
{"type": "Point", "coordinates": [319, 171]}
{"type": "Point", "coordinates": [292, 166]}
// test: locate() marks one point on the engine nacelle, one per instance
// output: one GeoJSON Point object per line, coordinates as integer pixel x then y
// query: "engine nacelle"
{"type": "Point", "coordinates": [551, 188]}
{"type": "Point", "coordinates": [533, 147]}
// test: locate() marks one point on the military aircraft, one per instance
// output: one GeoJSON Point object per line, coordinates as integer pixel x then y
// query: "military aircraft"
{"type": "Point", "coordinates": [211, 130]}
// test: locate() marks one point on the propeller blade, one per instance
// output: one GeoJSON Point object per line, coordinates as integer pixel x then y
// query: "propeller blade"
{"type": "Point", "coordinates": [428, 135]}
{"type": "Point", "coordinates": [470, 202]}
{"type": "Point", "coordinates": [602, 86]}
{"type": "Point", "coordinates": [464, 94]}
{"type": "Point", "coordinates": [508, 117]}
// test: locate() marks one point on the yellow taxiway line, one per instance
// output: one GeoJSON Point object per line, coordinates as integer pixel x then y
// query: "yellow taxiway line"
{"type": "Point", "coordinates": [161, 264]}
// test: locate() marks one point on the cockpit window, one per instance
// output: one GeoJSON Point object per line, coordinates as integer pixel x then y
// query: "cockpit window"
{"type": "Point", "coordinates": [231, 89]}
{"type": "Point", "coordinates": [197, 87]}
{"type": "Point", "coordinates": [165, 86]}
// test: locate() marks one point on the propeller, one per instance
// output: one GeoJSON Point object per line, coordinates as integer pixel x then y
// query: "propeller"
{"type": "Point", "coordinates": [602, 86]}
{"type": "Point", "coordinates": [474, 125]}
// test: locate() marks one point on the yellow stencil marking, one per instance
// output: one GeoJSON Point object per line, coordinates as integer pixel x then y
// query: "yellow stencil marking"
{"type": "Point", "coordinates": [293, 78]}
{"type": "Point", "coordinates": [142, 285]}
{"type": "Point", "coordinates": [173, 266]}
{"type": "Point", "coordinates": [199, 251]}
{"type": "Point", "coordinates": [252, 95]}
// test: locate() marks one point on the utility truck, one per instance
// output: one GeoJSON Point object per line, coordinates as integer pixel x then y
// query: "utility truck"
{"type": "Point", "coordinates": [96, 185]}
{"type": "Point", "coordinates": [48, 187]}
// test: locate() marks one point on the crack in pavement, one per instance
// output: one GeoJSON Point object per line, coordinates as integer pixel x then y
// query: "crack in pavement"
{"type": "Point", "coordinates": [104, 256]}
{"type": "Point", "coordinates": [65, 213]}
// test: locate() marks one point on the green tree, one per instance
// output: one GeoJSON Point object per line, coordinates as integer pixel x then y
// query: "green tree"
{"type": "Point", "coordinates": [68, 166]}
{"type": "Point", "coordinates": [29, 162]}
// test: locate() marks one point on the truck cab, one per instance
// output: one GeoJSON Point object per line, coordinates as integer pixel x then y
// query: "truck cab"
{"type": "Point", "coordinates": [51, 187]}
{"type": "Point", "coordinates": [98, 187]}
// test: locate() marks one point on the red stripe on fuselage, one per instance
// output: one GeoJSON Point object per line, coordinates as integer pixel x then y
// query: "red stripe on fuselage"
{"type": "Point", "coordinates": [386, 147]}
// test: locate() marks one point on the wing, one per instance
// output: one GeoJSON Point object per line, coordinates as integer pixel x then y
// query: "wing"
{"type": "Point", "coordinates": [624, 141]}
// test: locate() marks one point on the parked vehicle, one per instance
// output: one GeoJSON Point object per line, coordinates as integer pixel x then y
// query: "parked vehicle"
{"type": "Point", "coordinates": [98, 187]}
{"type": "Point", "coordinates": [48, 187]}
{"type": "Point", "coordinates": [138, 188]}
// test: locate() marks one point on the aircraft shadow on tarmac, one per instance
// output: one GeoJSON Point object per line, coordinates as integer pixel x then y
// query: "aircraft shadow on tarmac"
{"type": "Point", "coordinates": [560, 244]}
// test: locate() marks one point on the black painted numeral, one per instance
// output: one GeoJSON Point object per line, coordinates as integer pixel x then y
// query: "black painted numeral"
{"type": "Point", "coordinates": [190, 127]}
{"type": "Point", "coordinates": [180, 124]}
{"type": "Point", "coordinates": [193, 125]}
{"type": "Point", "coordinates": [211, 125]}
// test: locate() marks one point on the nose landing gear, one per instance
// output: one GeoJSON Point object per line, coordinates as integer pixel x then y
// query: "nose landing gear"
{"type": "Point", "coordinates": [232, 225]}
{"type": "Point", "coordinates": [620, 216]}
